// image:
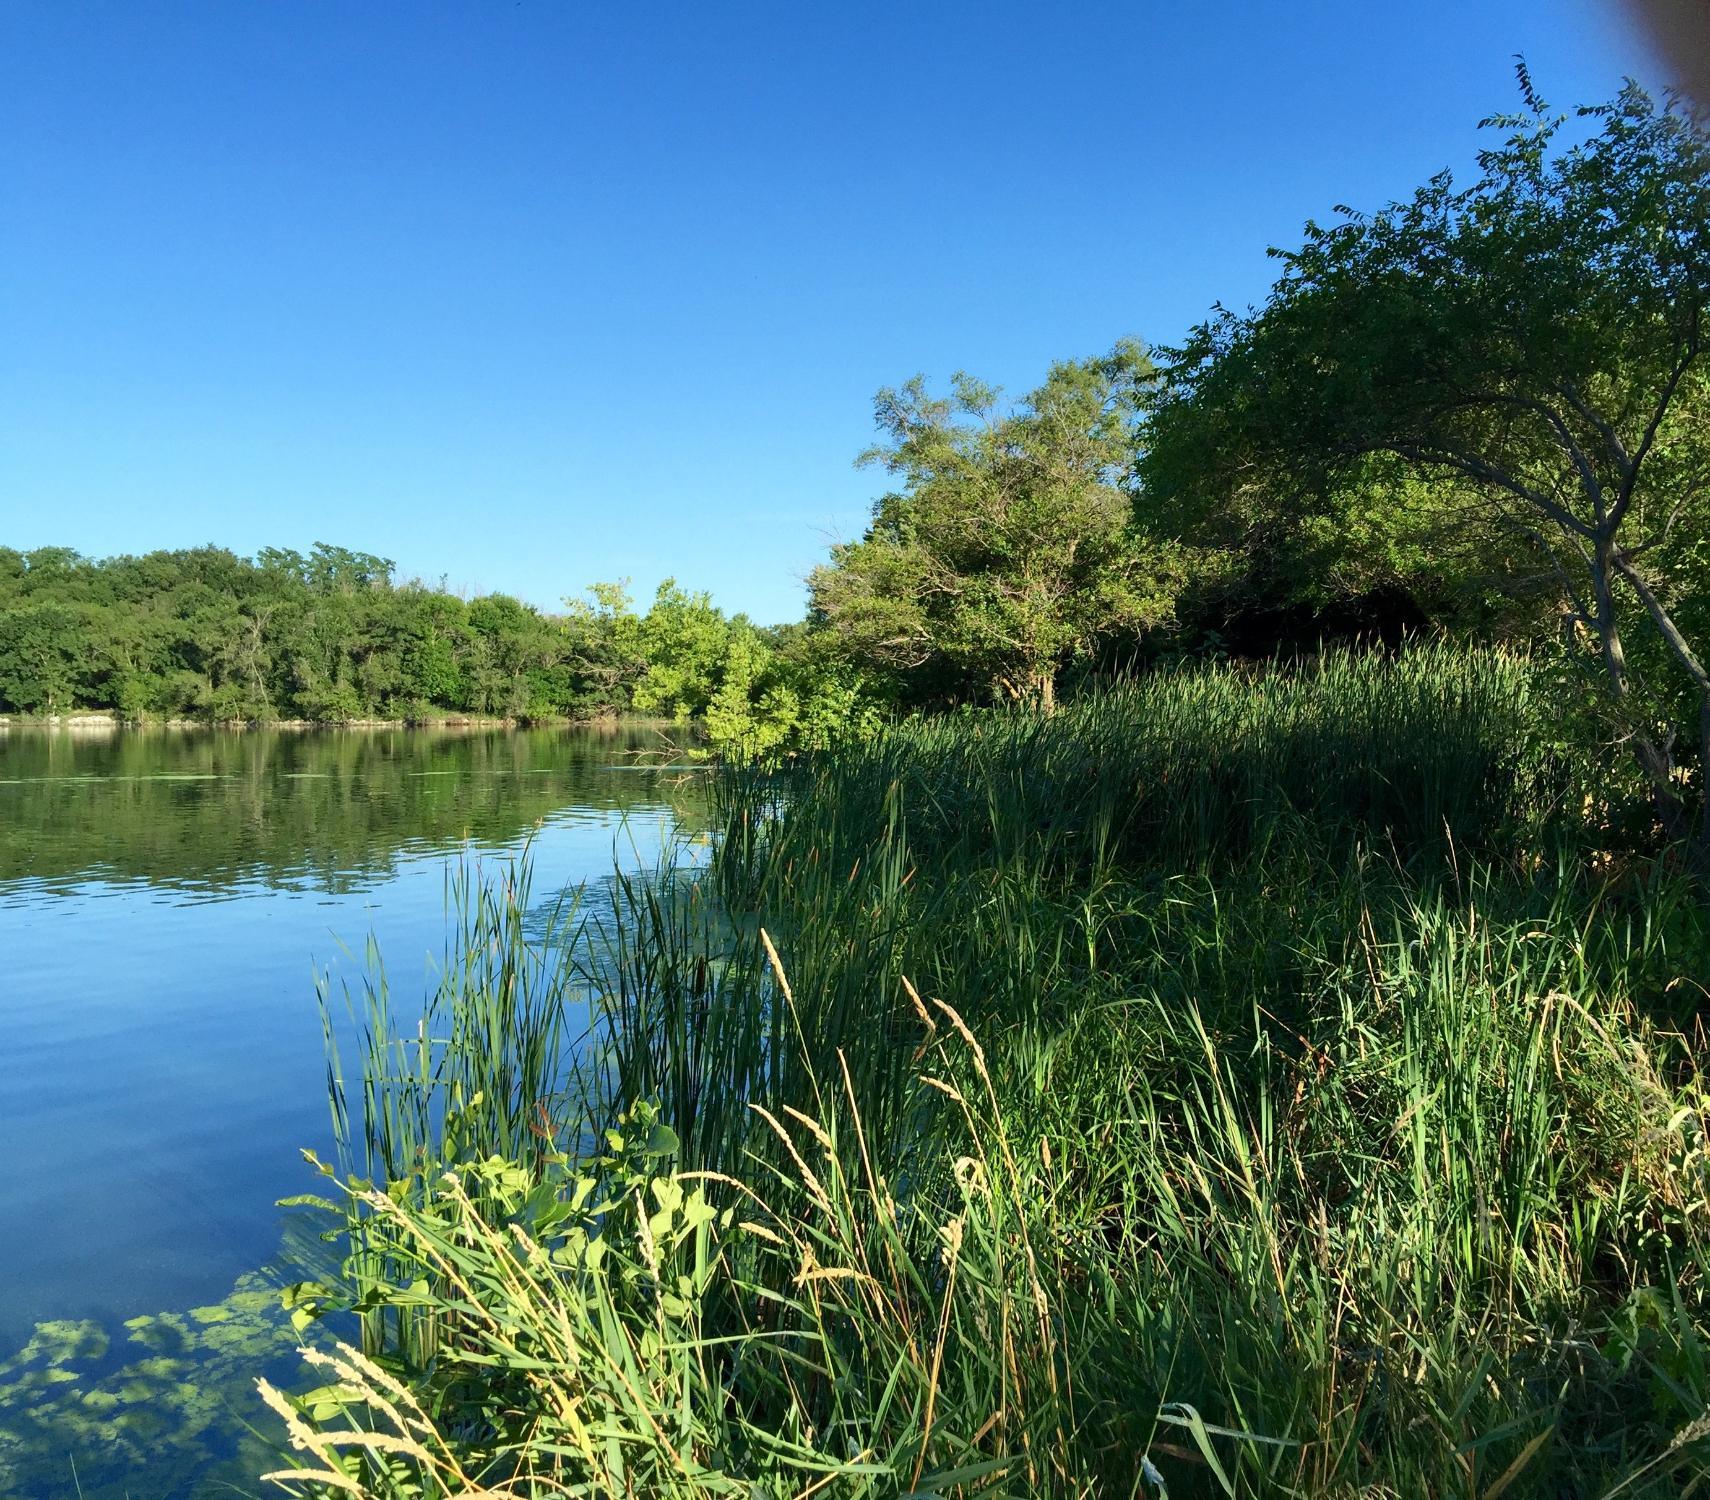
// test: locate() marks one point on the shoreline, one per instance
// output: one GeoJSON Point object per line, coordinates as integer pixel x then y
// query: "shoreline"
{"type": "Point", "coordinates": [110, 723]}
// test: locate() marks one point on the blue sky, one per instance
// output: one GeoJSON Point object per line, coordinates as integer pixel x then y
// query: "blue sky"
{"type": "Point", "coordinates": [529, 294]}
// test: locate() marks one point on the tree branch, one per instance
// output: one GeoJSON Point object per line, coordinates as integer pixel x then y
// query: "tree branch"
{"type": "Point", "coordinates": [1588, 480]}
{"type": "Point", "coordinates": [1475, 467]}
{"type": "Point", "coordinates": [1677, 643]}
{"type": "Point", "coordinates": [1630, 480]}
{"type": "Point", "coordinates": [1605, 429]}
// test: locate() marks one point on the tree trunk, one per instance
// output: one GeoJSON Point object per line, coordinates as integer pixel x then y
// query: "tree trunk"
{"type": "Point", "coordinates": [1702, 852]}
{"type": "Point", "coordinates": [1654, 760]}
{"type": "Point", "coordinates": [1700, 678]}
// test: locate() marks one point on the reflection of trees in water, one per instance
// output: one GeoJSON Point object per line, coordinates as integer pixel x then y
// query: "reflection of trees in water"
{"type": "Point", "coordinates": [158, 1404]}
{"type": "Point", "coordinates": [331, 810]}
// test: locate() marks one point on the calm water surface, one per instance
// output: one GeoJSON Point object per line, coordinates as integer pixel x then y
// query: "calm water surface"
{"type": "Point", "coordinates": [166, 900]}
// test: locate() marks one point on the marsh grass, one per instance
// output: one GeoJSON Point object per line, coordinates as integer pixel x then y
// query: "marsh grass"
{"type": "Point", "coordinates": [481, 1069]}
{"type": "Point", "coordinates": [1236, 1084]}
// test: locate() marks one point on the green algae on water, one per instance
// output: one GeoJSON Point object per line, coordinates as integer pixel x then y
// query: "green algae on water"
{"type": "Point", "coordinates": [156, 1406]}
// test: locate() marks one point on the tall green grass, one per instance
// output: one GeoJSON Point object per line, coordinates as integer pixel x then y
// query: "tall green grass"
{"type": "Point", "coordinates": [1235, 1084]}
{"type": "Point", "coordinates": [1180, 769]}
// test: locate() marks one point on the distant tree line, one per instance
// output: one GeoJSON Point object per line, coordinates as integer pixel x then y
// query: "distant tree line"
{"type": "Point", "coordinates": [332, 636]}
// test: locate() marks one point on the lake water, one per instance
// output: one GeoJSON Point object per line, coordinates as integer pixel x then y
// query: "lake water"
{"type": "Point", "coordinates": [166, 900]}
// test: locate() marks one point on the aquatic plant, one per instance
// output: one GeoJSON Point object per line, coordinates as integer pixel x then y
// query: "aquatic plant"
{"type": "Point", "coordinates": [96, 1410]}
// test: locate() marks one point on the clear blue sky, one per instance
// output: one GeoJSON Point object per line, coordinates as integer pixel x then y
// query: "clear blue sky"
{"type": "Point", "coordinates": [529, 293]}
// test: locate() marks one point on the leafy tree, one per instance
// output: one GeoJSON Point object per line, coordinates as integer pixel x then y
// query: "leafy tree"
{"type": "Point", "coordinates": [1009, 545]}
{"type": "Point", "coordinates": [1383, 548]}
{"type": "Point", "coordinates": [513, 651]}
{"type": "Point", "coordinates": [44, 650]}
{"type": "Point", "coordinates": [1532, 346]}
{"type": "Point", "coordinates": [684, 639]}
{"type": "Point", "coordinates": [787, 690]}
{"type": "Point", "coordinates": [434, 647]}
{"type": "Point", "coordinates": [605, 650]}
{"type": "Point", "coordinates": [743, 715]}
{"type": "Point", "coordinates": [329, 636]}
{"type": "Point", "coordinates": [828, 696]}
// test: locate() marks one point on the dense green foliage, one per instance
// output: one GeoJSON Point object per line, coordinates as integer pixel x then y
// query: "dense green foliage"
{"type": "Point", "coordinates": [1239, 1084]}
{"type": "Point", "coordinates": [1506, 383]}
{"type": "Point", "coordinates": [1010, 548]}
{"type": "Point", "coordinates": [331, 637]}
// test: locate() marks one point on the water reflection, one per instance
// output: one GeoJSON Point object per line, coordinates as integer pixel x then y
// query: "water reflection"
{"type": "Point", "coordinates": [200, 813]}
{"type": "Point", "coordinates": [166, 900]}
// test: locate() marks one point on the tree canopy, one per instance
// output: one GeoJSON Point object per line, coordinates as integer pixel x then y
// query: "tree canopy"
{"type": "Point", "coordinates": [1009, 546]}
{"type": "Point", "coordinates": [1522, 358]}
{"type": "Point", "coordinates": [331, 636]}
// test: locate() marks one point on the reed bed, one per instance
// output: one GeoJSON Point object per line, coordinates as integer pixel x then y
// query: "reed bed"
{"type": "Point", "coordinates": [1234, 1084]}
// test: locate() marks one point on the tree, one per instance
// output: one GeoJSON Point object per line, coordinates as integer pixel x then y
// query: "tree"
{"type": "Point", "coordinates": [434, 630]}
{"type": "Point", "coordinates": [1534, 344]}
{"type": "Point", "coordinates": [683, 640]}
{"type": "Point", "coordinates": [513, 646]}
{"type": "Point", "coordinates": [44, 651]}
{"type": "Point", "coordinates": [744, 717]}
{"type": "Point", "coordinates": [604, 649]}
{"type": "Point", "coordinates": [782, 692]}
{"type": "Point", "coordinates": [332, 637]}
{"type": "Point", "coordinates": [1010, 545]}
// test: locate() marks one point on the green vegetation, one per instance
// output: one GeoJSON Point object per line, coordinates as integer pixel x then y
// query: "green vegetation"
{"type": "Point", "coordinates": [1505, 381]}
{"type": "Point", "coordinates": [1241, 1080]}
{"type": "Point", "coordinates": [1011, 548]}
{"type": "Point", "coordinates": [1270, 1076]}
{"type": "Point", "coordinates": [86, 1408]}
{"type": "Point", "coordinates": [332, 638]}
{"type": "Point", "coordinates": [1239, 1084]}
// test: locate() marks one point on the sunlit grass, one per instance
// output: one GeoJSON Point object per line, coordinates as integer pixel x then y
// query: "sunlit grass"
{"type": "Point", "coordinates": [1235, 1085]}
